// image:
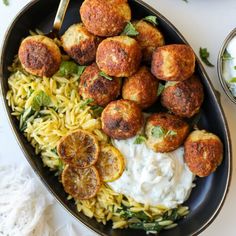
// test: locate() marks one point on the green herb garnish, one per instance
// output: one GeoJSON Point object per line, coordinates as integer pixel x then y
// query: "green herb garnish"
{"type": "Point", "coordinates": [86, 102]}
{"type": "Point", "coordinates": [171, 133]}
{"type": "Point", "coordinates": [80, 70]}
{"type": "Point", "coordinates": [97, 110]}
{"type": "Point", "coordinates": [40, 100]}
{"type": "Point", "coordinates": [126, 213]}
{"type": "Point", "coordinates": [151, 19]}
{"type": "Point", "coordinates": [234, 67]}
{"type": "Point", "coordinates": [140, 139]}
{"type": "Point", "coordinates": [160, 89]}
{"type": "Point", "coordinates": [227, 55]}
{"type": "Point", "coordinates": [233, 80]}
{"type": "Point", "coordinates": [160, 132]}
{"type": "Point", "coordinates": [204, 54]}
{"type": "Point", "coordinates": [27, 116]}
{"type": "Point", "coordinates": [166, 221]}
{"type": "Point", "coordinates": [5, 2]}
{"type": "Point", "coordinates": [130, 30]}
{"type": "Point", "coordinates": [69, 68]}
{"type": "Point", "coordinates": [104, 75]}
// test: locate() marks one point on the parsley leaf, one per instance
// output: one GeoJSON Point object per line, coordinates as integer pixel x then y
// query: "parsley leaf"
{"type": "Point", "coordinates": [130, 30]}
{"type": "Point", "coordinates": [160, 89]}
{"type": "Point", "coordinates": [104, 75]}
{"type": "Point", "coordinates": [171, 133]}
{"type": "Point", "coordinates": [69, 68]}
{"type": "Point", "coordinates": [227, 55]}
{"type": "Point", "coordinates": [80, 70]}
{"type": "Point", "coordinates": [204, 54]}
{"type": "Point", "coordinates": [40, 100]}
{"type": "Point", "coordinates": [86, 102]}
{"type": "Point", "coordinates": [151, 19]}
{"type": "Point", "coordinates": [233, 80]}
{"type": "Point", "coordinates": [97, 110]}
{"type": "Point", "coordinates": [140, 139]}
{"type": "Point", "coordinates": [234, 67]}
{"type": "Point", "coordinates": [160, 132]}
{"type": "Point", "coordinates": [5, 2]}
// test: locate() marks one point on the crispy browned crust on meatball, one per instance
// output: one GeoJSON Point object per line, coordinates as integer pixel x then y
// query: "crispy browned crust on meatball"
{"type": "Point", "coordinates": [183, 98]}
{"type": "Point", "coordinates": [119, 56]}
{"type": "Point", "coordinates": [149, 38]}
{"type": "Point", "coordinates": [79, 44]}
{"type": "Point", "coordinates": [101, 90]}
{"type": "Point", "coordinates": [165, 132]}
{"type": "Point", "coordinates": [105, 17]}
{"type": "Point", "coordinates": [39, 55]}
{"type": "Point", "coordinates": [175, 62]}
{"type": "Point", "coordinates": [141, 88]}
{"type": "Point", "coordinates": [122, 119]}
{"type": "Point", "coordinates": [203, 152]}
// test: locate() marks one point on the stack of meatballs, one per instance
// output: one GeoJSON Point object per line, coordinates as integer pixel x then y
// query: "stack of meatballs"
{"type": "Point", "coordinates": [130, 69]}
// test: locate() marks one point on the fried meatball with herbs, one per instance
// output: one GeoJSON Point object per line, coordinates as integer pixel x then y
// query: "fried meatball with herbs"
{"type": "Point", "coordinates": [203, 152]}
{"type": "Point", "coordinates": [122, 119]}
{"type": "Point", "coordinates": [183, 98]}
{"type": "Point", "coordinates": [105, 17]}
{"type": "Point", "coordinates": [165, 132]}
{"type": "Point", "coordinates": [141, 88]}
{"type": "Point", "coordinates": [119, 56]}
{"type": "Point", "coordinates": [175, 62]}
{"type": "Point", "coordinates": [79, 44]}
{"type": "Point", "coordinates": [149, 38]}
{"type": "Point", "coordinates": [93, 85]}
{"type": "Point", "coordinates": [39, 55]}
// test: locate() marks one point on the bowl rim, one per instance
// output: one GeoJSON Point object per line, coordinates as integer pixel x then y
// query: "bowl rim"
{"type": "Point", "coordinates": [215, 96]}
{"type": "Point", "coordinates": [223, 83]}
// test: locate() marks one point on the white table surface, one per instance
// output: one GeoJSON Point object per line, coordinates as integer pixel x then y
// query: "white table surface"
{"type": "Point", "coordinates": [204, 23]}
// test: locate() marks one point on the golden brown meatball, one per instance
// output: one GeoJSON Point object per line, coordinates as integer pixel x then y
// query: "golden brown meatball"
{"type": "Point", "coordinates": [183, 98]}
{"type": "Point", "coordinates": [122, 119]}
{"type": "Point", "coordinates": [175, 62]}
{"type": "Point", "coordinates": [165, 132]}
{"type": "Point", "coordinates": [101, 90]}
{"type": "Point", "coordinates": [203, 152]}
{"type": "Point", "coordinates": [141, 88]}
{"type": "Point", "coordinates": [149, 38]}
{"type": "Point", "coordinates": [119, 56]}
{"type": "Point", "coordinates": [79, 44]}
{"type": "Point", "coordinates": [39, 55]}
{"type": "Point", "coordinates": [105, 17]}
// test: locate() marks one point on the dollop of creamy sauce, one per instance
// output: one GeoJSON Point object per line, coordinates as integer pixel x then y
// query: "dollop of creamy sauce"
{"type": "Point", "coordinates": [229, 69]}
{"type": "Point", "coordinates": [153, 178]}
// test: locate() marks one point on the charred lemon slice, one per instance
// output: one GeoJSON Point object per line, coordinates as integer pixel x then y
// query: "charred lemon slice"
{"type": "Point", "coordinates": [110, 163]}
{"type": "Point", "coordinates": [81, 183]}
{"type": "Point", "coordinates": [79, 149]}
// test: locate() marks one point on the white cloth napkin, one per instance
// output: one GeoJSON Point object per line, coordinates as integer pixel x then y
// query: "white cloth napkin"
{"type": "Point", "coordinates": [23, 203]}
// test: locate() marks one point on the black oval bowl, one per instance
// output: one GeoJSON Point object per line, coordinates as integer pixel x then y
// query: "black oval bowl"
{"type": "Point", "coordinates": [209, 194]}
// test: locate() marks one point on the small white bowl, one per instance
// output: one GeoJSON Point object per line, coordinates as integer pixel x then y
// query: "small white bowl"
{"type": "Point", "coordinates": [220, 63]}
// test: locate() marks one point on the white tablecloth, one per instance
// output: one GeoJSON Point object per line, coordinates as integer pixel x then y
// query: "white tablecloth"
{"type": "Point", "coordinates": [204, 23]}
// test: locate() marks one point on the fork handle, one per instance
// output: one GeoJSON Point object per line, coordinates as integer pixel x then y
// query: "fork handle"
{"type": "Point", "coordinates": [61, 11]}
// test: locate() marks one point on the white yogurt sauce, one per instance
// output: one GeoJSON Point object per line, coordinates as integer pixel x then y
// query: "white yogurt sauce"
{"type": "Point", "coordinates": [229, 70]}
{"type": "Point", "coordinates": [153, 178]}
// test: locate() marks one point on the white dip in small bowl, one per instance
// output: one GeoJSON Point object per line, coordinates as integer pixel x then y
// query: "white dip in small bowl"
{"type": "Point", "coordinates": [229, 65]}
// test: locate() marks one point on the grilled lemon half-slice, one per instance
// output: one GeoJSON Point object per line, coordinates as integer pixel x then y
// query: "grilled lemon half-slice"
{"type": "Point", "coordinates": [81, 183]}
{"type": "Point", "coordinates": [79, 149]}
{"type": "Point", "coordinates": [110, 163]}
